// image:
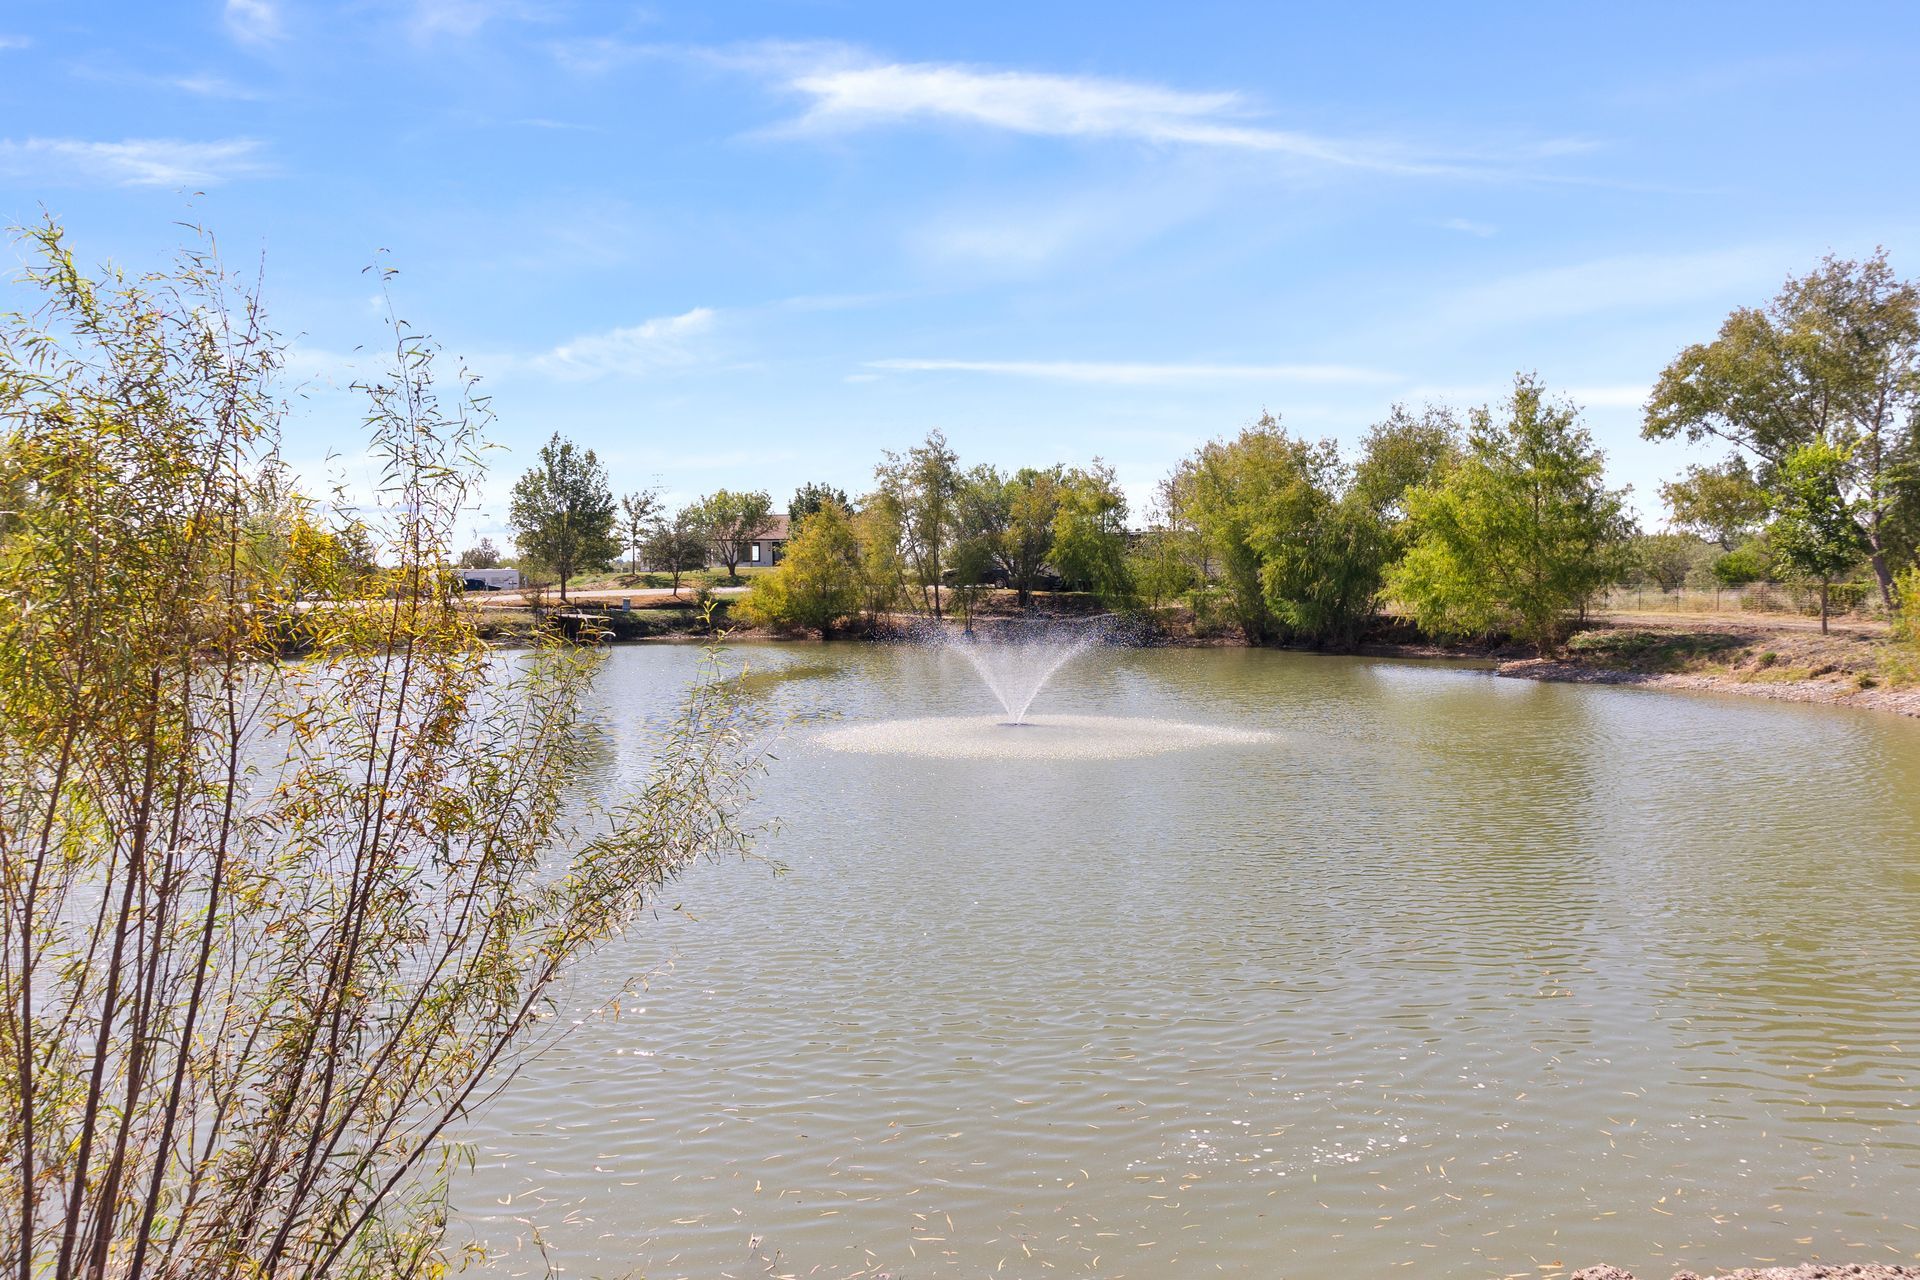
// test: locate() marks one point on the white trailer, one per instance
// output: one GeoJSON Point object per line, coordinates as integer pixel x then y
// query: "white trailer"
{"type": "Point", "coordinates": [490, 579]}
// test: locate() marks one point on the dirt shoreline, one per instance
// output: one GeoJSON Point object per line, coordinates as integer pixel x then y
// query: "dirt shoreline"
{"type": "Point", "coordinates": [1833, 693]}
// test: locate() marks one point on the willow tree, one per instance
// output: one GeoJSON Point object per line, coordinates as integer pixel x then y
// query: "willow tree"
{"type": "Point", "coordinates": [269, 928]}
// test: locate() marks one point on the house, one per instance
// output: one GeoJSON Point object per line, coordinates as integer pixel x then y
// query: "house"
{"type": "Point", "coordinates": [770, 546]}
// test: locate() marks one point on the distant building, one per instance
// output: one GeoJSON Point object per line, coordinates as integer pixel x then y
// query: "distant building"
{"type": "Point", "coordinates": [769, 547]}
{"type": "Point", "coordinates": [489, 579]}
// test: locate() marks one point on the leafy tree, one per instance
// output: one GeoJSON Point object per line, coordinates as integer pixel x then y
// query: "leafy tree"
{"type": "Point", "coordinates": [1322, 579]}
{"type": "Point", "coordinates": [817, 584]}
{"type": "Point", "coordinates": [562, 512]}
{"type": "Point", "coordinates": [1090, 533]}
{"type": "Point", "coordinates": [1520, 533]}
{"type": "Point", "coordinates": [1667, 559]}
{"type": "Point", "coordinates": [248, 994]}
{"type": "Point", "coordinates": [1815, 533]}
{"type": "Point", "coordinates": [1739, 567]}
{"type": "Point", "coordinates": [1159, 567]}
{"type": "Point", "coordinates": [1834, 359]}
{"type": "Point", "coordinates": [638, 512]}
{"type": "Point", "coordinates": [809, 498]}
{"type": "Point", "coordinates": [922, 486]}
{"type": "Point", "coordinates": [1239, 495]}
{"type": "Point", "coordinates": [1403, 452]}
{"type": "Point", "coordinates": [678, 546]}
{"type": "Point", "coordinates": [882, 567]}
{"type": "Point", "coordinates": [1724, 502]}
{"type": "Point", "coordinates": [735, 521]}
{"type": "Point", "coordinates": [482, 555]}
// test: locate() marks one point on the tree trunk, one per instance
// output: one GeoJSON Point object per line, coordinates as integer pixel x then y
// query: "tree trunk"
{"type": "Point", "coordinates": [1823, 606]}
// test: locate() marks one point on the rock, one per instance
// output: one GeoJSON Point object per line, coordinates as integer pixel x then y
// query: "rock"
{"type": "Point", "coordinates": [1813, 1271]}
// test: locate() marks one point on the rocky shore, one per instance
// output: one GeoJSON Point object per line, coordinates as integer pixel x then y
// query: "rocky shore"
{"type": "Point", "coordinates": [1811, 1271]}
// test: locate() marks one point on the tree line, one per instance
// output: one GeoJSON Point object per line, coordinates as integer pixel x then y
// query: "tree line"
{"type": "Point", "coordinates": [1495, 522]}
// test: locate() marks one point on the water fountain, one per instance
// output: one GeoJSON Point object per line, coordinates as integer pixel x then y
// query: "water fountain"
{"type": "Point", "coordinates": [1015, 661]}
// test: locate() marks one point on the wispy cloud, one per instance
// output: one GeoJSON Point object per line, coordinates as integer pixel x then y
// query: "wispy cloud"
{"type": "Point", "coordinates": [254, 21]}
{"type": "Point", "coordinates": [1128, 373]}
{"type": "Point", "coordinates": [1625, 282]}
{"type": "Point", "coordinates": [200, 84]}
{"type": "Point", "coordinates": [461, 18]}
{"type": "Point", "coordinates": [652, 346]}
{"type": "Point", "coordinates": [855, 97]}
{"type": "Point", "coordinates": [14, 42]}
{"type": "Point", "coordinates": [133, 162]}
{"type": "Point", "coordinates": [1466, 226]}
{"type": "Point", "coordinates": [849, 90]}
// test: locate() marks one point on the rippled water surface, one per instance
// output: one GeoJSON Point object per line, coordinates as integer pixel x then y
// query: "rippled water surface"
{"type": "Point", "coordinates": [1406, 968]}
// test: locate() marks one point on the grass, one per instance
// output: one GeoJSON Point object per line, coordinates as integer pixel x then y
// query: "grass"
{"type": "Point", "coordinates": [1659, 651]}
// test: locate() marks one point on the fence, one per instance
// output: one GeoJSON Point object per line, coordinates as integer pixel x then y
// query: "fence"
{"type": "Point", "coordinates": [1844, 599]}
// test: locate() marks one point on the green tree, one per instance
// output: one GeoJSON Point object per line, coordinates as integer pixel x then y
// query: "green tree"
{"type": "Point", "coordinates": [638, 512]}
{"type": "Point", "coordinates": [1815, 532]}
{"type": "Point", "coordinates": [1090, 533]}
{"type": "Point", "coordinates": [1403, 452]}
{"type": "Point", "coordinates": [1520, 533]}
{"type": "Point", "coordinates": [876, 528]}
{"type": "Point", "coordinates": [1322, 579]}
{"type": "Point", "coordinates": [735, 521]}
{"type": "Point", "coordinates": [1240, 495]}
{"type": "Point", "coordinates": [1667, 559]}
{"type": "Point", "coordinates": [1834, 359]}
{"type": "Point", "coordinates": [816, 585]}
{"type": "Point", "coordinates": [1724, 502]}
{"type": "Point", "coordinates": [1739, 567]}
{"type": "Point", "coordinates": [809, 498]}
{"type": "Point", "coordinates": [922, 485]}
{"type": "Point", "coordinates": [678, 546]}
{"type": "Point", "coordinates": [248, 995]}
{"type": "Point", "coordinates": [562, 512]}
{"type": "Point", "coordinates": [481, 555]}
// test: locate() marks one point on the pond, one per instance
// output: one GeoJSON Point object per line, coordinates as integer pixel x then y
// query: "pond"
{"type": "Point", "coordinates": [1385, 967]}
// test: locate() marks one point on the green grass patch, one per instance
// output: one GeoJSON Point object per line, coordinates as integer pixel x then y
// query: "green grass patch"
{"type": "Point", "coordinates": [1661, 651]}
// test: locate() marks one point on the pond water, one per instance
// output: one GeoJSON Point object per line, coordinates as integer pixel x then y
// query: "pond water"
{"type": "Point", "coordinates": [1388, 967]}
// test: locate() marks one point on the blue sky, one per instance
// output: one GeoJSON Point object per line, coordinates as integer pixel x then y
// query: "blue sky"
{"type": "Point", "coordinates": [752, 244]}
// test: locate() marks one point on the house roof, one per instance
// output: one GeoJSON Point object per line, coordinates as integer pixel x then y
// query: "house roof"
{"type": "Point", "coordinates": [776, 528]}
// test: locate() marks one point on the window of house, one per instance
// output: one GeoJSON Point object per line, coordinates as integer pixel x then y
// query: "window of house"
{"type": "Point", "coordinates": [756, 553]}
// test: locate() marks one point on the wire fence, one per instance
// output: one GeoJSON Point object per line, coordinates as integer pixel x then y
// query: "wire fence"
{"type": "Point", "coordinates": [1844, 599]}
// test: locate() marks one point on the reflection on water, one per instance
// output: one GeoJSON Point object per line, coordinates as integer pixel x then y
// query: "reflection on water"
{"type": "Point", "coordinates": [1418, 968]}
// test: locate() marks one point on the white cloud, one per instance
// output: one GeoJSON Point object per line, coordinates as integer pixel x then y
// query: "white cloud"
{"type": "Point", "coordinates": [1466, 226]}
{"type": "Point", "coordinates": [851, 95]}
{"type": "Point", "coordinates": [133, 162]}
{"type": "Point", "coordinates": [665, 342]}
{"type": "Point", "coordinates": [1137, 374]}
{"type": "Point", "coordinates": [210, 86]}
{"type": "Point", "coordinates": [14, 42]}
{"type": "Point", "coordinates": [254, 21]}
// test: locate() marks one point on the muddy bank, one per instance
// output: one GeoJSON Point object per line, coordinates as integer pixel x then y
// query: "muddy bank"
{"type": "Point", "coordinates": [1837, 693]}
{"type": "Point", "coordinates": [1812, 1271]}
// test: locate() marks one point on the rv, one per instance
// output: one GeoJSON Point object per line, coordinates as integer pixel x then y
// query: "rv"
{"type": "Point", "coordinates": [489, 579]}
